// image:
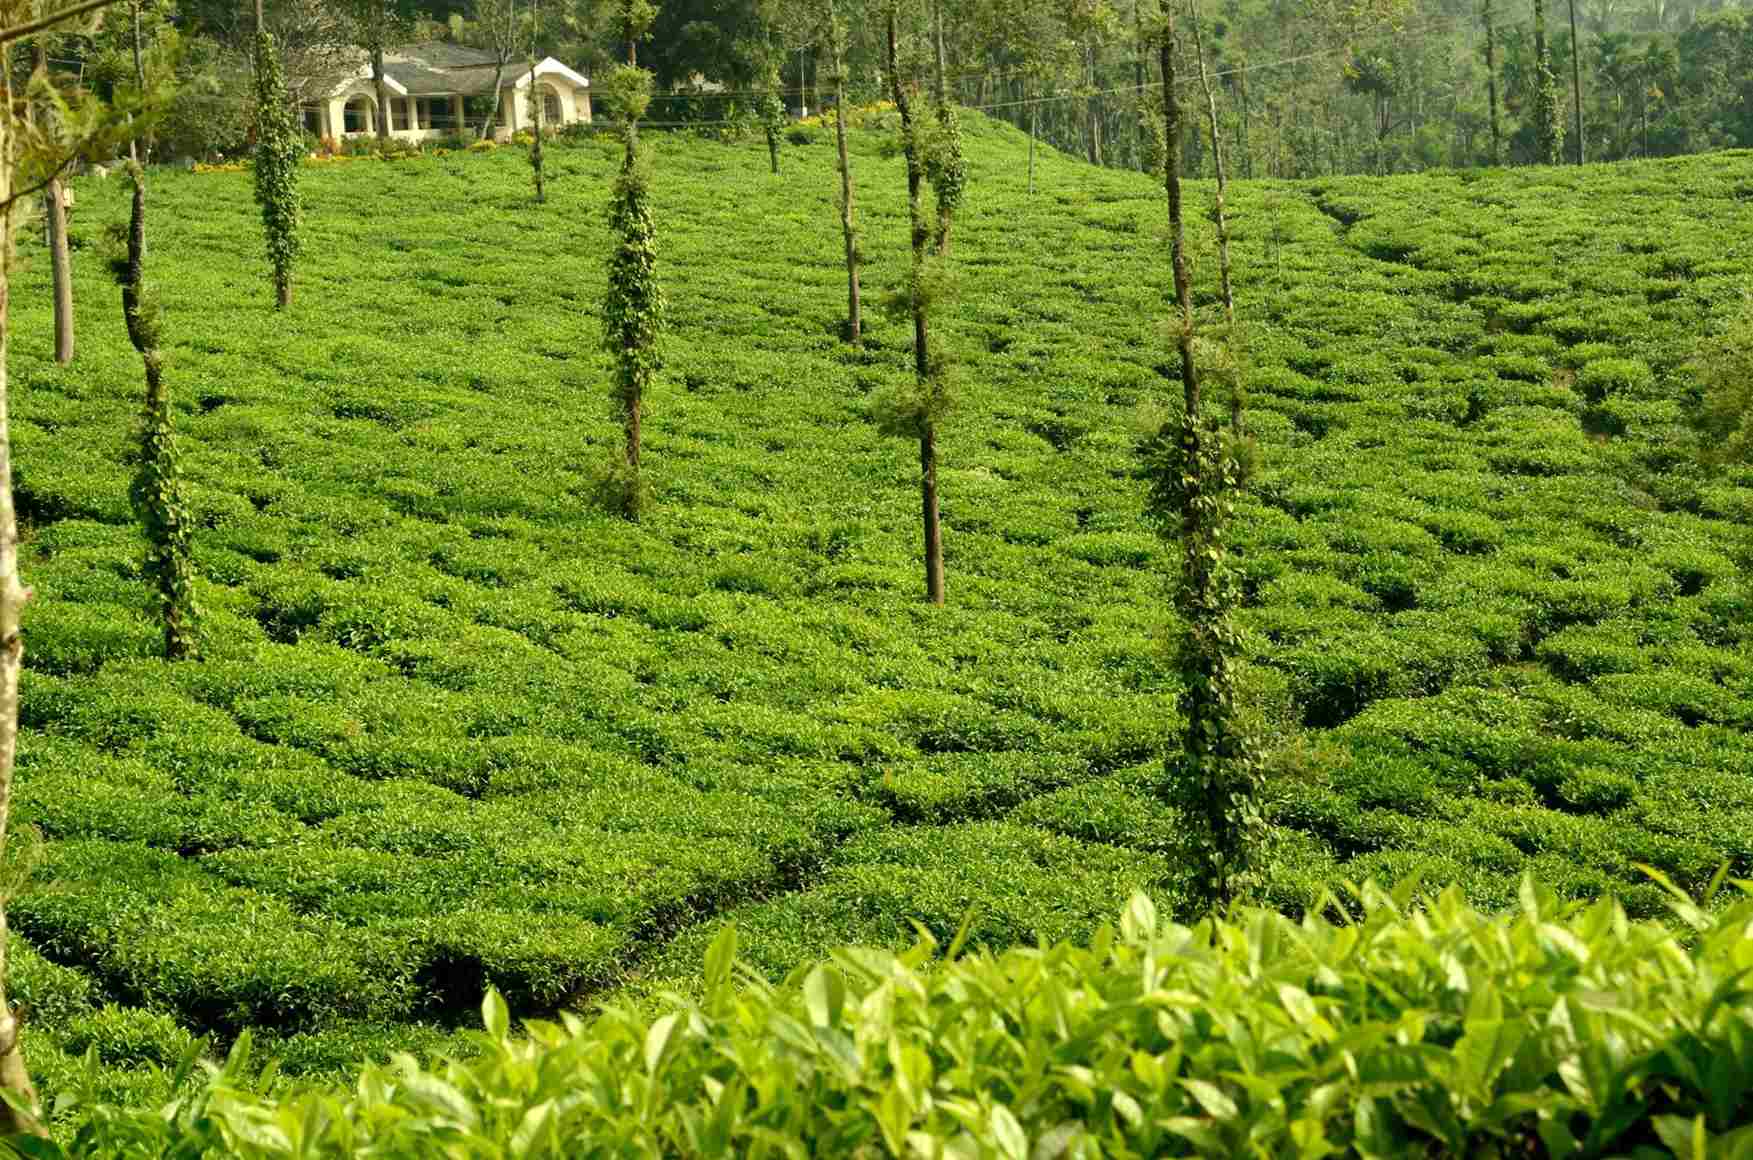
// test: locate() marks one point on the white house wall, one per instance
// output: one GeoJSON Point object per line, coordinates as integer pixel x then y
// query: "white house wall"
{"type": "Point", "coordinates": [574, 106]}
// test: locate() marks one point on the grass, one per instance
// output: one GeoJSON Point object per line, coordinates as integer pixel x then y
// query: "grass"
{"type": "Point", "coordinates": [455, 725]}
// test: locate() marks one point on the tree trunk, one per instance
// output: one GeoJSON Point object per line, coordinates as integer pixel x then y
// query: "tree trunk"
{"type": "Point", "coordinates": [1223, 229]}
{"type": "Point", "coordinates": [14, 1078]}
{"type": "Point", "coordinates": [854, 318]}
{"type": "Point", "coordinates": [1491, 85]}
{"type": "Point", "coordinates": [382, 90]}
{"type": "Point", "coordinates": [1576, 82]}
{"type": "Point", "coordinates": [928, 512]}
{"type": "Point", "coordinates": [536, 145]}
{"type": "Point", "coordinates": [1178, 245]}
{"type": "Point", "coordinates": [1034, 130]}
{"type": "Point", "coordinates": [933, 534]}
{"type": "Point", "coordinates": [1095, 109]}
{"type": "Point", "coordinates": [491, 123]}
{"type": "Point", "coordinates": [60, 263]}
{"type": "Point", "coordinates": [60, 270]}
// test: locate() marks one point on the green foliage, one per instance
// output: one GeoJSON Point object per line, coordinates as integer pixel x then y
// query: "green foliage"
{"type": "Point", "coordinates": [279, 147]}
{"type": "Point", "coordinates": [945, 167]}
{"type": "Point", "coordinates": [437, 684]}
{"type": "Point", "coordinates": [1723, 367]}
{"type": "Point", "coordinates": [633, 311]}
{"type": "Point", "coordinates": [1408, 1029]}
{"type": "Point", "coordinates": [626, 92]}
{"type": "Point", "coordinates": [160, 500]}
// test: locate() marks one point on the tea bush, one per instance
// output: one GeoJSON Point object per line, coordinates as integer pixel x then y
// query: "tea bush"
{"type": "Point", "coordinates": [1408, 1029]}
{"type": "Point", "coordinates": [456, 728]}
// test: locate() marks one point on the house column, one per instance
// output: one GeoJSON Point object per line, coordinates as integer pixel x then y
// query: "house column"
{"type": "Point", "coordinates": [336, 112]}
{"type": "Point", "coordinates": [413, 109]}
{"type": "Point", "coordinates": [456, 111]}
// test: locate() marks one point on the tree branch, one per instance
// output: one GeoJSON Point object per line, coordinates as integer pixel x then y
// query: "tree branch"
{"type": "Point", "coordinates": [31, 191]}
{"type": "Point", "coordinates": [43, 23]}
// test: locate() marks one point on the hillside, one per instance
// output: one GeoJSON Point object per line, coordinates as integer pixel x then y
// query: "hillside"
{"type": "Point", "coordinates": [454, 725]}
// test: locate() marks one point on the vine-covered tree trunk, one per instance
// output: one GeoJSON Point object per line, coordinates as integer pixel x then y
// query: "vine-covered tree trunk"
{"type": "Point", "coordinates": [933, 533]}
{"type": "Point", "coordinates": [14, 1078]}
{"type": "Point", "coordinates": [276, 169]}
{"type": "Point", "coordinates": [634, 307]}
{"type": "Point", "coordinates": [946, 168]}
{"type": "Point", "coordinates": [536, 144]}
{"type": "Point", "coordinates": [1549, 123]}
{"type": "Point", "coordinates": [1491, 84]}
{"type": "Point", "coordinates": [157, 494]}
{"type": "Point", "coordinates": [848, 229]}
{"type": "Point", "coordinates": [1213, 781]}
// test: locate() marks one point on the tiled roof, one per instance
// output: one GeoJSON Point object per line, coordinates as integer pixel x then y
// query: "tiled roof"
{"type": "Point", "coordinates": [439, 66]}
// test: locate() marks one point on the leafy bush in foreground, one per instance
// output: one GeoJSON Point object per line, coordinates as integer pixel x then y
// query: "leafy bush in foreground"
{"type": "Point", "coordinates": [1433, 1030]}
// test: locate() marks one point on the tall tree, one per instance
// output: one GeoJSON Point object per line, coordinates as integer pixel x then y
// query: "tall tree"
{"type": "Point", "coordinates": [946, 168]}
{"type": "Point", "coordinates": [499, 32]}
{"type": "Point", "coordinates": [1576, 82]}
{"type": "Point", "coordinates": [375, 25]}
{"type": "Point", "coordinates": [279, 145]}
{"type": "Point", "coordinates": [30, 154]}
{"type": "Point", "coordinates": [1491, 82]}
{"type": "Point", "coordinates": [919, 415]}
{"type": "Point", "coordinates": [836, 40]}
{"type": "Point", "coordinates": [55, 220]}
{"type": "Point", "coordinates": [1223, 229]}
{"type": "Point", "coordinates": [633, 312]}
{"type": "Point", "coordinates": [157, 495]}
{"type": "Point", "coordinates": [1548, 119]}
{"type": "Point", "coordinates": [537, 103]}
{"type": "Point", "coordinates": [1214, 780]}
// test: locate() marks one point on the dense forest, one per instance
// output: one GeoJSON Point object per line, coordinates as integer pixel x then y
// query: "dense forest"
{"type": "Point", "coordinates": [1303, 87]}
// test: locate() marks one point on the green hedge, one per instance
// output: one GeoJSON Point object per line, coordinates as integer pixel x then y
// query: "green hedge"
{"type": "Point", "coordinates": [1392, 1030]}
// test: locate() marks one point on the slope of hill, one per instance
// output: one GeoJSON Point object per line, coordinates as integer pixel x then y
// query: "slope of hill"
{"type": "Point", "coordinates": [454, 725]}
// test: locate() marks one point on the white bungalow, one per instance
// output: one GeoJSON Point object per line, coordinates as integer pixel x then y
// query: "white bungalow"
{"type": "Point", "coordinates": [431, 85]}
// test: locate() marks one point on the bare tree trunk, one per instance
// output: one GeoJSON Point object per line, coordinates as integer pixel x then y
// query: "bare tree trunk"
{"type": "Point", "coordinates": [854, 317]}
{"type": "Point", "coordinates": [60, 264]}
{"type": "Point", "coordinates": [933, 534]}
{"type": "Point", "coordinates": [492, 122]}
{"type": "Point", "coordinates": [1178, 246]}
{"type": "Point", "coordinates": [1034, 130]}
{"type": "Point", "coordinates": [1491, 84]}
{"type": "Point", "coordinates": [1576, 82]}
{"type": "Point", "coordinates": [60, 270]}
{"type": "Point", "coordinates": [1223, 229]}
{"type": "Point", "coordinates": [377, 80]}
{"type": "Point", "coordinates": [14, 1078]}
{"type": "Point", "coordinates": [1095, 109]}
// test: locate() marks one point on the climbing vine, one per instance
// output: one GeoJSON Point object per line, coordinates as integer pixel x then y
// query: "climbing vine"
{"type": "Point", "coordinates": [1195, 469]}
{"type": "Point", "coordinates": [157, 494]}
{"type": "Point", "coordinates": [771, 109]}
{"type": "Point", "coordinates": [1548, 115]}
{"type": "Point", "coordinates": [278, 146]}
{"type": "Point", "coordinates": [947, 170]}
{"type": "Point", "coordinates": [633, 312]}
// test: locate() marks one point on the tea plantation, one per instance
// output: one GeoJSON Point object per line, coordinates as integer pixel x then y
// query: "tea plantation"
{"type": "Point", "coordinates": [454, 725]}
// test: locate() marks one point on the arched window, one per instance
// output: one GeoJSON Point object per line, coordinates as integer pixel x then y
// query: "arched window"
{"type": "Point", "coordinates": [551, 114]}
